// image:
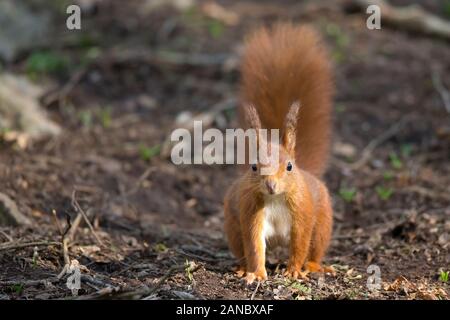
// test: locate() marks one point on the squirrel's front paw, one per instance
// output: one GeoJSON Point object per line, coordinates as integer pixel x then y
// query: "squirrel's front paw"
{"type": "Point", "coordinates": [258, 275]}
{"type": "Point", "coordinates": [240, 271]}
{"type": "Point", "coordinates": [295, 273]}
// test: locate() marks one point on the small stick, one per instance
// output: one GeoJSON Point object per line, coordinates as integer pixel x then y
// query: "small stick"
{"type": "Point", "coordinates": [427, 193]}
{"type": "Point", "coordinates": [28, 282]}
{"type": "Point", "coordinates": [10, 239]}
{"type": "Point", "coordinates": [254, 292]}
{"type": "Point", "coordinates": [141, 179]}
{"type": "Point", "coordinates": [65, 243]}
{"type": "Point", "coordinates": [55, 218]}
{"type": "Point", "coordinates": [74, 228]}
{"type": "Point", "coordinates": [369, 149]}
{"type": "Point", "coordinates": [78, 208]}
{"type": "Point", "coordinates": [148, 292]}
{"type": "Point", "coordinates": [28, 244]}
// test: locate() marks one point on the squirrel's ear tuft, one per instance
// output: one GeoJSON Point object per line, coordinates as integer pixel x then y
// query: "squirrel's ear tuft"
{"type": "Point", "coordinates": [251, 116]}
{"type": "Point", "coordinates": [290, 127]}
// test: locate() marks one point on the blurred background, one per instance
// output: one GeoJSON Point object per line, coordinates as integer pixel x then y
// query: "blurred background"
{"type": "Point", "coordinates": [85, 116]}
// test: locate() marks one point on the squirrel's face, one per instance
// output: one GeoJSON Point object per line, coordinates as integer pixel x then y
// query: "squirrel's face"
{"type": "Point", "coordinates": [273, 177]}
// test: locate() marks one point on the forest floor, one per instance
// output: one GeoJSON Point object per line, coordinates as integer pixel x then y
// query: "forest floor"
{"type": "Point", "coordinates": [157, 227]}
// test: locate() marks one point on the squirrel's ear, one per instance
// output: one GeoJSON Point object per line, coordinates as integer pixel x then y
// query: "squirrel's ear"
{"type": "Point", "coordinates": [290, 127]}
{"type": "Point", "coordinates": [252, 121]}
{"type": "Point", "coordinates": [251, 116]}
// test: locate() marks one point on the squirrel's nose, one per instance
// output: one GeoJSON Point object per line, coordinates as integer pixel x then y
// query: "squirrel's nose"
{"type": "Point", "coordinates": [271, 186]}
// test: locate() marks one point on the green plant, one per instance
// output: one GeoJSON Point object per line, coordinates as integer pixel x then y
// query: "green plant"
{"type": "Point", "coordinates": [160, 247]}
{"type": "Point", "coordinates": [340, 39]}
{"type": "Point", "coordinates": [105, 117]}
{"type": "Point", "coordinates": [388, 175]}
{"type": "Point", "coordinates": [17, 288]}
{"type": "Point", "coordinates": [86, 118]}
{"type": "Point", "coordinates": [340, 108]}
{"type": "Point", "coordinates": [90, 55]}
{"type": "Point", "coordinates": [300, 287]}
{"type": "Point", "coordinates": [147, 153]}
{"type": "Point", "coordinates": [189, 267]}
{"type": "Point", "coordinates": [406, 150]}
{"type": "Point", "coordinates": [395, 161]}
{"type": "Point", "coordinates": [443, 276]}
{"type": "Point", "coordinates": [215, 28]}
{"type": "Point", "coordinates": [384, 193]}
{"type": "Point", "coordinates": [446, 7]}
{"type": "Point", "coordinates": [46, 62]}
{"type": "Point", "coordinates": [347, 194]}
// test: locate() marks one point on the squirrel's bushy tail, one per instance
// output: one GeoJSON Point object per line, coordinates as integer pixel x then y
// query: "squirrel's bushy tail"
{"type": "Point", "coordinates": [282, 65]}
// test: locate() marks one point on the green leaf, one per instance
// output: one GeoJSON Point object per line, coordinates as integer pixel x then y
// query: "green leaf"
{"type": "Point", "coordinates": [384, 193]}
{"type": "Point", "coordinates": [189, 269]}
{"type": "Point", "coordinates": [406, 150]}
{"type": "Point", "coordinates": [17, 288]}
{"type": "Point", "coordinates": [86, 118]}
{"type": "Point", "coordinates": [160, 247]}
{"type": "Point", "coordinates": [340, 108]}
{"type": "Point", "coordinates": [147, 153]}
{"type": "Point", "coordinates": [443, 276]}
{"type": "Point", "coordinates": [446, 7]}
{"type": "Point", "coordinates": [215, 28]}
{"type": "Point", "coordinates": [105, 117]}
{"type": "Point", "coordinates": [347, 194]}
{"type": "Point", "coordinates": [301, 287]}
{"type": "Point", "coordinates": [396, 163]}
{"type": "Point", "coordinates": [46, 62]}
{"type": "Point", "coordinates": [388, 175]}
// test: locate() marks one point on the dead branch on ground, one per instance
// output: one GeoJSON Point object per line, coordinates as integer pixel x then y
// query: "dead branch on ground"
{"type": "Point", "coordinates": [78, 209]}
{"type": "Point", "coordinates": [367, 152]}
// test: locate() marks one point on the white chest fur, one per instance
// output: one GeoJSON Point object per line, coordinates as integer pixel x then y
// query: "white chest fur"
{"type": "Point", "coordinates": [277, 219]}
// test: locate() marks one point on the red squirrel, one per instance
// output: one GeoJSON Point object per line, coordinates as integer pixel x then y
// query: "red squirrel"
{"type": "Point", "coordinates": [287, 85]}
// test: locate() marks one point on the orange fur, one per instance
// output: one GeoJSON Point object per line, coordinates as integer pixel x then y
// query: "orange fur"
{"type": "Point", "coordinates": [283, 65]}
{"type": "Point", "coordinates": [280, 68]}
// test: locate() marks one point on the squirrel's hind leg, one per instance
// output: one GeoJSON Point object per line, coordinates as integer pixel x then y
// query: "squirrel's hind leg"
{"type": "Point", "coordinates": [321, 239]}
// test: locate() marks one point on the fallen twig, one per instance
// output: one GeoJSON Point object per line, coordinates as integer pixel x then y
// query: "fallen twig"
{"type": "Point", "coordinates": [65, 242]}
{"type": "Point", "coordinates": [29, 282]}
{"type": "Point", "coordinates": [73, 229]}
{"type": "Point", "coordinates": [149, 291]}
{"type": "Point", "coordinates": [429, 193]}
{"type": "Point", "coordinates": [78, 209]}
{"type": "Point", "coordinates": [8, 237]}
{"type": "Point", "coordinates": [254, 292]}
{"type": "Point", "coordinates": [28, 244]}
{"type": "Point", "coordinates": [141, 179]}
{"type": "Point", "coordinates": [100, 294]}
{"type": "Point", "coordinates": [369, 149]}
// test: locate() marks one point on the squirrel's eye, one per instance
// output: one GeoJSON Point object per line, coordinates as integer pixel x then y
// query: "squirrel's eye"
{"type": "Point", "coordinates": [289, 166]}
{"type": "Point", "coordinates": [254, 167]}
